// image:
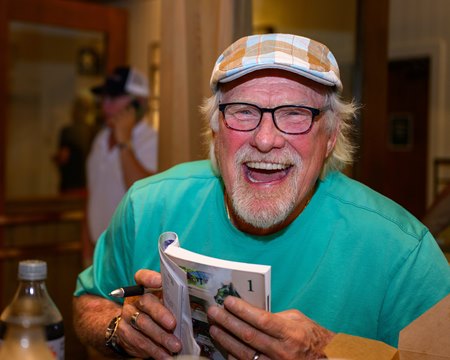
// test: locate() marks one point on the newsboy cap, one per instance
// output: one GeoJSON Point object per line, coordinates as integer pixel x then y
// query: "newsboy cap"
{"type": "Point", "coordinates": [293, 53]}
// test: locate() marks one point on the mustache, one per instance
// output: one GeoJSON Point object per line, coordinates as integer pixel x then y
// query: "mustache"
{"type": "Point", "coordinates": [281, 156]}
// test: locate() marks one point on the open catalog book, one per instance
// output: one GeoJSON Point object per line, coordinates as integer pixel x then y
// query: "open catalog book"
{"type": "Point", "coordinates": [193, 282]}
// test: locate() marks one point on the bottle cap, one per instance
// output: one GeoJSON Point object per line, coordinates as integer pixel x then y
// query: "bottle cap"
{"type": "Point", "coordinates": [32, 270]}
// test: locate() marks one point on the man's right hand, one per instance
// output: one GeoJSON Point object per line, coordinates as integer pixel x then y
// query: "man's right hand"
{"type": "Point", "coordinates": [123, 124]}
{"type": "Point", "coordinates": [151, 334]}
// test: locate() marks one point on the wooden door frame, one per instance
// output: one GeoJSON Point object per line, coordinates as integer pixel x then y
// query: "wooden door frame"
{"type": "Point", "coordinates": [371, 87]}
{"type": "Point", "coordinates": [408, 124]}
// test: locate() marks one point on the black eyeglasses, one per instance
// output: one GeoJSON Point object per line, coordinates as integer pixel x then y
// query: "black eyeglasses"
{"type": "Point", "coordinates": [289, 119]}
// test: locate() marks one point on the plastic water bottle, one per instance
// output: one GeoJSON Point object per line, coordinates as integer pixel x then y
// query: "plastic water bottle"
{"type": "Point", "coordinates": [25, 332]}
{"type": "Point", "coordinates": [32, 275]}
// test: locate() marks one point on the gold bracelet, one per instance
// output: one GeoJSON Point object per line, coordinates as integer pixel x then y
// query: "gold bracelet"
{"type": "Point", "coordinates": [111, 338]}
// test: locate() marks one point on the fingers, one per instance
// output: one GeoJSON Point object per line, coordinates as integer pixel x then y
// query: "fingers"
{"type": "Point", "coordinates": [153, 307]}
{"type": "Point", "coordinates": [236, 349]}
{"type": "Point", "coordinates": [151, 333]}
{"type": "Point", "coordinates": [243, 330]}
{"type": "Point", "coordinates": [123, 124]}
{"type": "Point", "coordinates": [159, 336]}
{"type": "Point", "coordinates": [148, 278]}
{"type": "Point", "coordinates": [245, 339]}
{"type": "Point", "coordinates": [124, 118]}
{"type": "Point", "coordinates": [258, 318]}
{"type": "Point", "coordinates": [137, 344]}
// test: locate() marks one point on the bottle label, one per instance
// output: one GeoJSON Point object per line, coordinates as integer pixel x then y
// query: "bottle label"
{"type": "Point", "coordinates": [2, 330]}
{"type": "Point", "coordinates": [54, 331]}
{"type": "Point", "coordinates": [55, 338]}
{"type": "Point", "coordinates": [57, 348]}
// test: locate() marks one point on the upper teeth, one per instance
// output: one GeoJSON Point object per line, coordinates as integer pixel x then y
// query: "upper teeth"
{"type": "Point", "coordinates": [267, 166]}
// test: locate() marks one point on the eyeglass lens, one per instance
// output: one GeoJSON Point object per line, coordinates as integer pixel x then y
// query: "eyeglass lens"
{"type": "Point", "coordinates": [290, 118]}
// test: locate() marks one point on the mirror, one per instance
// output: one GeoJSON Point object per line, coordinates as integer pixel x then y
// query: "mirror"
{"type": "Point", "coordinates": [51, 70]}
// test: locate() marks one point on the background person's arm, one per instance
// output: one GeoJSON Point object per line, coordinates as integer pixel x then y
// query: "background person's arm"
{"type": "Point", "coordinates": [133, 168]}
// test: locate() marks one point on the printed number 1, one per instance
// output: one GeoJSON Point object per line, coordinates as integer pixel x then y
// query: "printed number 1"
{"type": "Point", "coordinates": [250, 285]}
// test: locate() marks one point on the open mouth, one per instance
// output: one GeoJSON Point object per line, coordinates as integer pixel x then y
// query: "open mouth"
{"type": "Point", "coordinates": [266, 172]}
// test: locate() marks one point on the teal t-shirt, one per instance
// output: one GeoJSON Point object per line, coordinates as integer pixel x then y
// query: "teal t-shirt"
{"type": "Point", "coordinates": [353, 261]}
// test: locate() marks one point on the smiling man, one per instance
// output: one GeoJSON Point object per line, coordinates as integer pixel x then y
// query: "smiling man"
{"type": "Point", "coordinates": [344, 258]}
{"type": "Point", "coordinates": [268, 151]}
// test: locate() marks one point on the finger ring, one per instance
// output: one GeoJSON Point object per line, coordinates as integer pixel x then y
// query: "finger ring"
{"type": "Point", "coordinates": [133, 320]}
{"type": "Point", "coordinates": [256, 356]}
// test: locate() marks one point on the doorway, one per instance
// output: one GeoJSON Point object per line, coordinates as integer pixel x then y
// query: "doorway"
{"type": "Point", "coordinates": [407, 134]}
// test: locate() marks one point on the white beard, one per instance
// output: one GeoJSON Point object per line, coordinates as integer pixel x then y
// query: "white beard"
{"type": "Point", "coordinates": [268, 207]}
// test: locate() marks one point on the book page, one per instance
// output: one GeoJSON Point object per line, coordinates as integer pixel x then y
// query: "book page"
{"type": "Point", "coordinates": [176, 297]}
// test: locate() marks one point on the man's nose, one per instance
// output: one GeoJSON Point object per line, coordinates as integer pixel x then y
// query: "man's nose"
{"type": "Point", "coordinates": [266, 136]}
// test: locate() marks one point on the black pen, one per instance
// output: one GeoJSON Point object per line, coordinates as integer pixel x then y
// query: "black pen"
{"type": "Point", "coordinates": [133, 290]}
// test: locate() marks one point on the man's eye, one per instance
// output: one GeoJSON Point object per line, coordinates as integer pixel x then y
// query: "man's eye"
{"type": "Point", "coordinates": [245, 111]}
{"type": "Point", "coordinates": [294, 113]}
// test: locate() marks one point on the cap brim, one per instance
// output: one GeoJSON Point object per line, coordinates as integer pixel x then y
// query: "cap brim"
{"type": "Point", "coordinates": [298, 71]}
{"type": "Point", "coordinates": [97, 90]}
{"type": "Point", "coordinates": [106, 90]}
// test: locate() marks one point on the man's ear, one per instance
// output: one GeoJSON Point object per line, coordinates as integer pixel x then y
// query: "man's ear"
{"type": "Point", "coordinates": [332, 142]}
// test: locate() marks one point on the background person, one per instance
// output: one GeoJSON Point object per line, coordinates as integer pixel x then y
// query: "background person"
{"type": "Point", "coordinates": [344, 258]}
{"type": "Point", "coordinates": [73, 145]}
{"type": "Point", "coordinates": [124, 151]}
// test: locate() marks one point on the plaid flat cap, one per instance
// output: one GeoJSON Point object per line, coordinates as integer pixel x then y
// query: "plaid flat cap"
{"type": "Point", "coordinates": [293, 53]}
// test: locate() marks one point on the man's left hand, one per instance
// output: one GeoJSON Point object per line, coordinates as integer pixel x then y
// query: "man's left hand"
{"type": "Point", "coordinates": [244, 331]}
{"type": "Point", "coordinates": [123, 124]}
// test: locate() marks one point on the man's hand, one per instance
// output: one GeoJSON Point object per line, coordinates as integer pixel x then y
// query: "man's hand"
{"type": "Point", "coordinates": [151, 335]}
{"type": "Point", "coordinates": [123, 123]}
{"type": "Point", "coordinates": [244, 331]}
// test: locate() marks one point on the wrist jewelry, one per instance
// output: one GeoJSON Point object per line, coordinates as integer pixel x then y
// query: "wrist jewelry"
{"type": "Point", "coordinates": [124, 145]}
{"type": "Point", "coordinates": [111, 338]}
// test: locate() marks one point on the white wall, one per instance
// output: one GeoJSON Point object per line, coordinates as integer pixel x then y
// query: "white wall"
{"type": "Point", "coordinates": [418, 28]}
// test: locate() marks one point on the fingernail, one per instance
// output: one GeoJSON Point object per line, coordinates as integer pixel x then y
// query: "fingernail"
{"type": "Point", "coordinates": [213, 311]}
{"type": "Point", "coordinates": [174, 345]}
{"type": "Point", "coordinates": [230, 300]}
{"type": "Point", "coordinates": [168, 321]}
{"type": "Point", "coordinates": [213, 331]}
